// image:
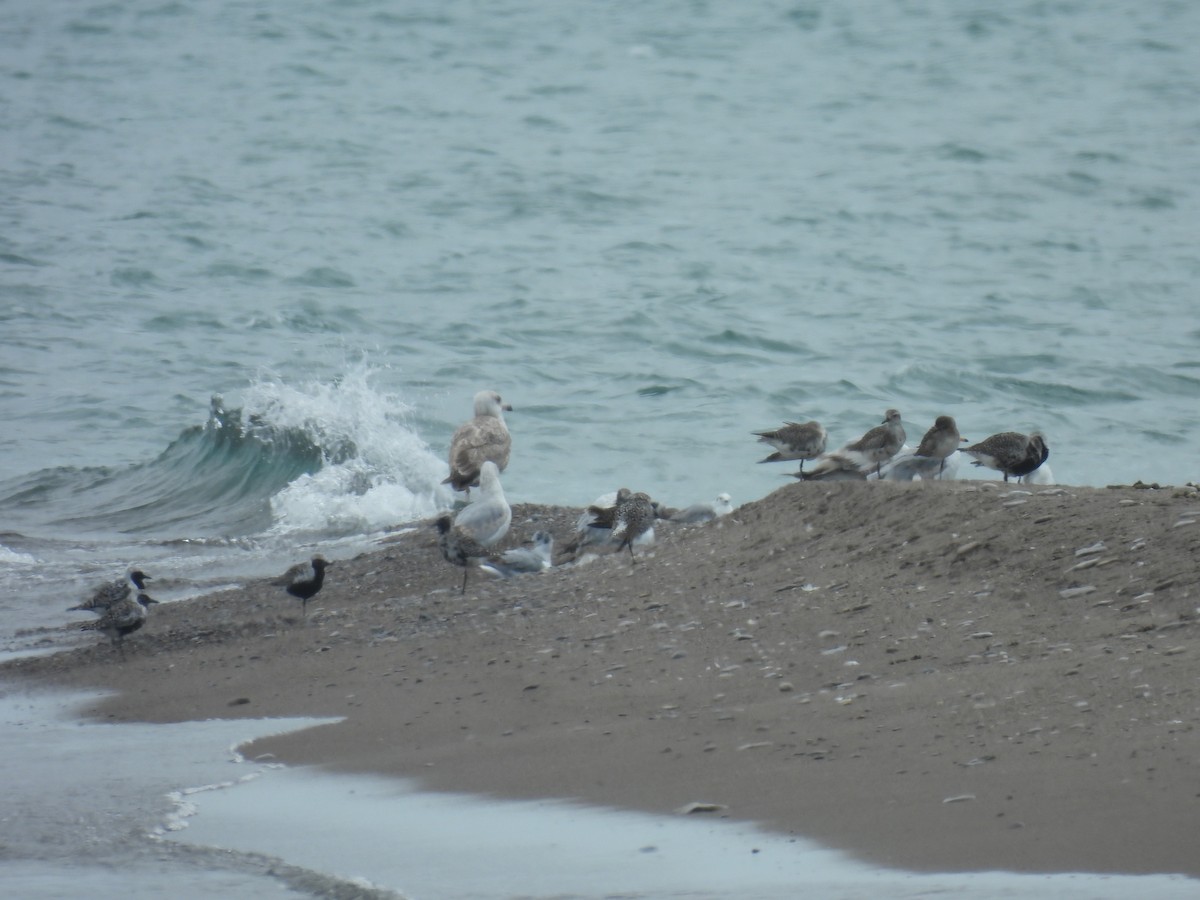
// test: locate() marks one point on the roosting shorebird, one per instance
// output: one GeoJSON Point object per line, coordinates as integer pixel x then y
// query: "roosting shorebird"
{"type": "Point", "coordinates": [1011, 453]}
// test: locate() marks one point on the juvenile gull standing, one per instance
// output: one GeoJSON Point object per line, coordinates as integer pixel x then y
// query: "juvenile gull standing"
{"type": "Point", "coordinates": [483, 438]}
{"type": "Point", "coordinates": [794, 440]}
{"type": "Point", "coordinates": [940, 441]}
{"type": "Point", "coordinates": [106, 595]}
{"type": "Point", "coordinates": [1010, 452]}
{"type": "Point", "coordinates": [122, 618]}
{"type": "Point", "coordinates": [478, 526]}
{"type": "Point", "coordinates": [523, 560]}
{"type": "Point", "coordinates": [304, 580]}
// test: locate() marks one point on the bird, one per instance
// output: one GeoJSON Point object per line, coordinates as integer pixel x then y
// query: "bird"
{"type": "Point", "coordinates": [304, 580]}
{"type": "Point", "coordinates": [112, 592]}
{"type": "Point", "coordinates": [523, 560]}
{"type": "Point", "coordinates": [633, 520]}
{"type": "Point", "coordinates": [940, 441]}
{"type": "Point", "coordinates": [478, 440]}
{"type": "Point", "coordinates": [478, 526]}
{"type": "Point", "coordinates": [879, 444]}
{"type": "Point", "coordinates": [122, 618]}
{"type": "Point", "coordinates": [1010, 452]}
{"type": "Point", "coordinates": [698, 513]}
{"type": "Point", "coordinates": [856, 460]}
{"type": "Point", "coordinates": [594, 525]}
{"type": "Point", "coordinates": [794, 440]}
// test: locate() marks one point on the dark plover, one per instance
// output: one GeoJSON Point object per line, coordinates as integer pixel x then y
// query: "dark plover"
{"type": "Point", "coordinates": [794, 440]}
{"type": "Point", "coordinates": [633, 520]}
{"type": "Point", "coordinates": [478, 440]}
{"type": "Point", "coordinates": [478, 526]}
{"type": "Point", "coordinates": [940, 441]}
{"type": "Point", "coordinates": [524, 560]}
{"type": "Point", "coordinates": [1010, 452]}
{"type": "Point", "coordinates": [122, 618]}
{"type": "Point", "coordinates": [106, 595]}
{"type": "Point", "coordinates": [304, 580]}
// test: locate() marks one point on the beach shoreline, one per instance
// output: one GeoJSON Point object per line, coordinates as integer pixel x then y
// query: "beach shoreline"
{"type": "Point", "coordinates": [934, 676]}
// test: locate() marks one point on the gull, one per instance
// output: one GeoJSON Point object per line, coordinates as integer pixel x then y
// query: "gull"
{"type": "Point", "coordinates": [483, 438]}
{"type": "Point", "coordinates": [304, 580]}
{"type": "Point", "coordinates": [106, 595]}
{"type": "Point", "coordinates": [478, 526]}
{"type": "Point", "coordinates": [794, 440]}
{"type": "Point", "coordinates": [1011, 453]}
{"type": "Point", "coordinates": [698, 513]}
{"type": "Point", "coordinates": [940, 441]}
{"type": "Point", "coordinates": [523, 560]}
{"type": "Point", "coordinates": [122, 618]}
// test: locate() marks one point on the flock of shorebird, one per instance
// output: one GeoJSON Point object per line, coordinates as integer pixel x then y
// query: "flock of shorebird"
{"type": "Point", "coordinates": [479, 452]}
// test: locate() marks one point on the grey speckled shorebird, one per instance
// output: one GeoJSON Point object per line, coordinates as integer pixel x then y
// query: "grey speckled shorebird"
{"type": "Point", "coordinates": [1011, 453]}
{"type": "Point", "coordinates": [794, 440]}
{"type": "Point", "coordinates": [940, 441]}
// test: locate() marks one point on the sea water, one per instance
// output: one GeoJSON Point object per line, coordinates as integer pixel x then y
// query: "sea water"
{"type": "Point", "coordinates": [256, 259]}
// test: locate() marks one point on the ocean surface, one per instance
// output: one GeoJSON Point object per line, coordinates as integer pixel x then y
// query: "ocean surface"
{"type": "Point", "coordinates": [256, 259]}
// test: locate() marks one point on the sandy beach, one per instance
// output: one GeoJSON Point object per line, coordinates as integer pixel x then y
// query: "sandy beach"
{"type": "Point", "coordinates": [931, 676]}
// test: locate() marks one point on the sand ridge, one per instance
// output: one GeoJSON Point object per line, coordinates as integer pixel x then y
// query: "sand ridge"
{"type": "Point", "coordinates": [953, 676]}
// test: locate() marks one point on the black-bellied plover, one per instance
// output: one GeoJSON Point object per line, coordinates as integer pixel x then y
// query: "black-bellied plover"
{"type": "Point", "coordinates": [940, 441]}
{"type": "Point", "coordinates": [479, 525]}
{"type": "Point", "coordinates": [795, 440]}
{"type": "Point", "coordinates": [478, 440]}
{"type": "Point", "coordinates": [633, 520]}
{"type": "Point", "coordinates": [122, 618]}
{"type": "Point", "coordinates": [523, 560]}
{"type": "Point", "coordinates": [1010, 452]}
{"type": "Point", "coordinates": [106, 595]}
{"type": "Point", "coordinates": [698, 513]}
{"type": "Point", "coordinates": [304, 580]}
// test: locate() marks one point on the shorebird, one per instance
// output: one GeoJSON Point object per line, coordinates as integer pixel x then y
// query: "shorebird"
{"type": "Point", "coordinates": [478, 440]}
{"type": "Point", "coordinates": [122, 618]}
{"type": "Point", "coordinates": [304, 580]}
{"type": "Point", "coordinates": [794, 440]}
{"type": "Point", "coordinates": [856, 460]}
{"type": "Point", "coordinates": [698, 513]}
{"type": "Point", "coordinates": [940, 441]}
{"type": "Point", "coordinates": [633, 520]}
{"type": "Point", "coordinates": [523, 560]}
{"type": "Point", "coordinates": [106, 595]}
{"type": "Point", "coordinates": [478, 526]}
{"type": "Point", "coordinates": [1010, 452]}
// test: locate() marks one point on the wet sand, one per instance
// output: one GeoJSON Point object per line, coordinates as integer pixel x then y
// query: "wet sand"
{"type": "Point", "coordinates": [939, 677]}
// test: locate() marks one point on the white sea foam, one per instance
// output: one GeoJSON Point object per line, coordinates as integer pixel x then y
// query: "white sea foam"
{"type": "Point", "coordinates": [379, 471]}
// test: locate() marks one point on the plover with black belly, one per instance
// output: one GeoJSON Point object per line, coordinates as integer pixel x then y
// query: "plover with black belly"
{"type": "Point", "coordinates": [1011, 453]}
{"type": "Point", "coordinates": [479, 440]}
{"type": "Point", "coordinates": [304, 580]}
{"type": "Point", "coordinates": [122, 618]}
{"type": "Point", "coordinates": [113, 592]}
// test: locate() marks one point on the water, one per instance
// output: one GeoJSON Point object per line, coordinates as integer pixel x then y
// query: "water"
{"type": "Point", "coordinates": [255, 259]}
